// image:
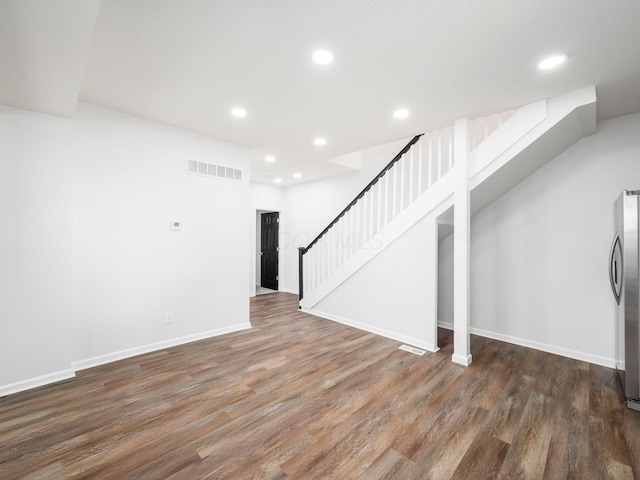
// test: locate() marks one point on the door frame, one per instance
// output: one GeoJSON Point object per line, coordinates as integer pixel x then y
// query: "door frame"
{"type": "Point", "coordinates": [257, 245]}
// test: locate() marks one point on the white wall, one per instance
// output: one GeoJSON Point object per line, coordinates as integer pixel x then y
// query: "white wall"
{"type": "Point", "coordinates": [130, 268]}
{"type": "Point", "coordinates": [445, 281]}
{"type": "Point", "coordinates": [264, 198]}
{"type": "Point", "coordinates": [37, 333]}
{"type": "Point", "coordinates": [539, 253]}
{"type": "Point", "coordinates": [89, 264]}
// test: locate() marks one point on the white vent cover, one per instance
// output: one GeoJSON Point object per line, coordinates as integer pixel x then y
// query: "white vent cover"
{"type": "Point", "coordinates": [215, 171]}
{"type": "Point", "coordinates": [415, 350]}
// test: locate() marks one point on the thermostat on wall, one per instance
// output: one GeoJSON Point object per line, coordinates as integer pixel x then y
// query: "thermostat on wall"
{"type": "Point", "coordinates": [176, 226]}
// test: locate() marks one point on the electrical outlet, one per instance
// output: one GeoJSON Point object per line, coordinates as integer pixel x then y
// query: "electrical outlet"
{"type": "Point", "coordinates": [168, 318]}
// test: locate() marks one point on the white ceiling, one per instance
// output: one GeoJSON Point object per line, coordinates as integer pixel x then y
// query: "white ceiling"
{"type": "Point", "coordinates": [188, 62]}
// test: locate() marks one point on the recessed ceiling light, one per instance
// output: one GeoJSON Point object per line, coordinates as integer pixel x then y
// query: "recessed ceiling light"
{"type": "Point", "coordinates": [270, 158]}
{"type": "Point", "coordinates": [297, 175]}
{"type": "Point", "coordinates": [552, 62]}
{"type": "Point", "coordinates": [401, 113]}
{"type": "Point", "coordinates": [322, 57]}
{"type": "Point", "coordinates": [277, 180]}
{"type": "Point", "coordinates": [238, 112]}
{"type": "Point", "coordinates": [319, 142]}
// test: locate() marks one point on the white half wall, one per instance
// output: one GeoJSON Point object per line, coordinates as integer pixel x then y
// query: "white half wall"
{"type": "Point", "coordinates": [539, 253]}
{"type": "Point", "coordinates": [394, 294]}
{"type": "Point", "coordinates": [38, 335]}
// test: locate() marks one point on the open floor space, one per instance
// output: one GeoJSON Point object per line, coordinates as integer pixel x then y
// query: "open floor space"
{"type": "Point", "coordinates": [299, 397]}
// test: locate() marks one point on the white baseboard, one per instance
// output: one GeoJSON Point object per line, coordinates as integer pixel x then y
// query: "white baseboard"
{"type": "Point", "coordinates": [288, 290]}
{"type": "Point", "coordinates": [284, 290]}
{"type": "Point", "coordinates": [523, 342]}
{"type": "Point", "coordinates": [132, 352]}
{"type": "Point", "coordinates": [465, 361]}
{"type": "Point", "coordinates": [113, 357]}
{"type": "Point", "coordinates": [378, 331]}
{"type": "Point", "coordinates": [35, 382]}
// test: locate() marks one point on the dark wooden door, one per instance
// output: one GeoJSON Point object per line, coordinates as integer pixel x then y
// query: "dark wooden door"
{"type": "Point", "coordinates": [269, 251]}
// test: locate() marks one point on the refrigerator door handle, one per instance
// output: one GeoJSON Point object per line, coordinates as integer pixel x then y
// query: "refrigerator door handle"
{"type": "Point", "coordinates": [615, 268]}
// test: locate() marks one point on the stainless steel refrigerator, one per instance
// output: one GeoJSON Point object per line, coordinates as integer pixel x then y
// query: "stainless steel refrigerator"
{"type": "Point", "coordinates": [624, 274]}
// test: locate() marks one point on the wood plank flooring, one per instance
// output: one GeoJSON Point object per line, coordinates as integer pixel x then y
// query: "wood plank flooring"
{"type": "Point", "coordinates": [299, 397]}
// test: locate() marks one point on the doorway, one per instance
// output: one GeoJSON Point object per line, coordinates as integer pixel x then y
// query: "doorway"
{"type": "Point", "coordinates": [269, 250]}
{"type": "Point", "coordinates": [445, 304]}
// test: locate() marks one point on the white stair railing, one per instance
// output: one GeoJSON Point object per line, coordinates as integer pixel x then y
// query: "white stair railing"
{"type": "Point", "coordinates": [418, 166]}
{"type": "Point", "coordinates": [480, 128]}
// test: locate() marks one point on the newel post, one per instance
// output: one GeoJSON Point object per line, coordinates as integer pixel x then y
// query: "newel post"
{"type": "Point", "coordinates": [300, 274]}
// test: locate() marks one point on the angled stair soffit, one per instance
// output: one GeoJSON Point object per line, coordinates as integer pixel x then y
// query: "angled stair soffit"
{"type": "Point", "coordinates": [533, 137]}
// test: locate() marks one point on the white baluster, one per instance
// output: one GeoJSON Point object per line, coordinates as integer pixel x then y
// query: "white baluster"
{"type": "Point", "coordinates": [323, 249]}
{"type": "Point", "coordinates": [420, 166]}
{"type": "Point", "coordinates": [430, 163]}
{"type": "Point", "coordinates": [320, 262]}
{"type": "Point", "coordinates": [335, 247]}
{"type": "Point", "coordinates": [347, 237]}
{"type": "Point", "coordinates": [327, 255]}
{"type": "Point", "coordinates": [316, 265]}
{"type": "Point", "coordinates": [372, 211]}
{"type": "Point", "coordinates": [335, 251]}
{"type": "Point", "coordinates": [330, 258]}
{"type": "Point", "coordinates": [326, 243]}
{"type": "Point", "coordinates": [363, 221]}
{"type": "Point", "coordinates": [374, 202]}
{"type": "Point", "coordinates": [309, 279]}
{"type": "Point", "coordinates": [356, 230]}
{"type": "Point", "coordinates": [320, 259]}
{"type": "Point", "coordinates": [309, 269]}
{"type": "Point", "coordinates": [439, 155]}
{"type": "Point", "coordinates": [357, 208]}
{"type": "Point", "coordinates": [313, 269]}
{"type": "Point", "coordinates": [402, 180]}
{"type": "Point", "coordinates": [379, 212]}
{"type": "Point", "coordinates": [411, 176]}
{"type": "Point", "coordinates": [340, 243]}
{"type": "Point", "coordinates": [364, 205]}
{"type": "Point", "coordinates": [387, 199]}
{"type": "Point", "coordinates": [356, 227]}
{"type": "Point", "coordinates": [392, 214]}
{"type": "Point", "coordinates": [365, 217]}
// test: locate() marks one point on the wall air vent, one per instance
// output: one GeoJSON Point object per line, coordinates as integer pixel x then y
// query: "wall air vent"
{"type": "Point", "coordinates": [215, 171]}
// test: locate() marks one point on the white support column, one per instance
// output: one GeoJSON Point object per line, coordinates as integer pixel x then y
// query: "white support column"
{"type": "Point", "coordinates": [461, 247]}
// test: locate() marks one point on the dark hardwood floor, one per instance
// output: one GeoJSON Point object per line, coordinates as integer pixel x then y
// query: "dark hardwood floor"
{"type": "Point", "coordinates": [299, 397]}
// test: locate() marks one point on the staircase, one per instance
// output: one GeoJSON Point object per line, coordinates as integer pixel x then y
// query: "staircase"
{"type": "Point", "coordinates": [473, 161]}
{"type": "Point", "coordinates": [377, 215]}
